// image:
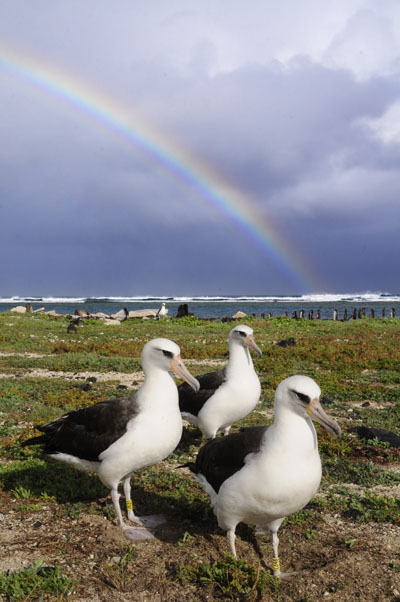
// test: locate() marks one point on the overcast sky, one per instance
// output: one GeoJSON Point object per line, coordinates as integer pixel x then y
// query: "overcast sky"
{"type": "Point", "coordinates": [296, 105]}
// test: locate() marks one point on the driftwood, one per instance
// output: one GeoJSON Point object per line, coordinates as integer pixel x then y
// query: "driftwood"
{"type": "Point", "coordinates": [143, 313]}
{"type": "Point", "coordinates": [121, 315]}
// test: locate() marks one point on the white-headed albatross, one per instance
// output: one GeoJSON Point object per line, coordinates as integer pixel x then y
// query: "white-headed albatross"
{"type": "Point", "coordinates": [262, 474]}
{"type": "Point", "coordinates": [227, 395]}
{"type": "Point", "coordinates": [116, 437]}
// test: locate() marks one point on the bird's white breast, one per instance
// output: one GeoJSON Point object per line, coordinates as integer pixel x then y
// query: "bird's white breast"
{"type": "Point", "coordinates": [150, 437]}
{"type": "Point", "coordinates": [270, 485]}
{"type": "Point", "coordinates": [234, 399]}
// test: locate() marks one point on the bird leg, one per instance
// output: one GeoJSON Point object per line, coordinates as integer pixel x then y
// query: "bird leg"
{"type": "Point", "coordinates": [151, 521]}
{"type": "Point", "coordinates": [276, 566]}
{"type": "Point", "coordinates": [227, 429]}
{"type": "Point", "coordinates": [115, 500]}
{"type": "Point", "coordinates": [275, 561]}
{"type": "Point", "coordinates": [231, 538]}
{"type": "Point", "coordinates": [135, 534]}
{"type": "Point", "coordinates": [128, 501]}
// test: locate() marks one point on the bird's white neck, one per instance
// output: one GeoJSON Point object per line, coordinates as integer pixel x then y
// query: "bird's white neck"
{"type": "Point", "coordinates": [293, 431]}
{"type": "Point", "coordinates": [159, 387]}
{"type": "Point", "coordinates": [239, 360]}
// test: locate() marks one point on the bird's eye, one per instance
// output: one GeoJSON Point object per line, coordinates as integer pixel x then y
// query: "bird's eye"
{"type": "Point", "coordinates": [167, 353]}
{"type": "Point", "coordinates": [242, 334]}
{"type": "Point", "coordinates": [302, 397]}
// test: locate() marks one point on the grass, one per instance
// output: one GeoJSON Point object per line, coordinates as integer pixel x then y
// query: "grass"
{"type": "Point", "coordinates": [34, 583]}
{"type": "Point", "coordinates": [230, 578]}
{"type": "Point", "coordinates": [353, 362]}
{"type": "Point", "coordinates": [364, 508]}
{"type": "Point", "coordinates": [36, 478]}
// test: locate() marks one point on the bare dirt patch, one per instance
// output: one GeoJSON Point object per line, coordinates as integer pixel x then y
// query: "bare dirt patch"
{"type": "Point", "coordinates": [341, 561]}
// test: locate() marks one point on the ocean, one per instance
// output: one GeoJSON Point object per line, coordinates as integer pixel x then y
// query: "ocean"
{"type": "Point", "coordinates": [222, 306]}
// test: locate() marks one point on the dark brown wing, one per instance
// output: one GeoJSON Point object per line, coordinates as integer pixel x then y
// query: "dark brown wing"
{"type": "Point", "coordinates": [87, 432]}
{"type": "Point", "coordinates": [220, 458]}
{"type": "Point", "coordinates": [192, 402]}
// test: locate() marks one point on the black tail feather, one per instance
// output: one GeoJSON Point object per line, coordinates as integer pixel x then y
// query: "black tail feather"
{"type": "Point", "coordinates": [41, 439]}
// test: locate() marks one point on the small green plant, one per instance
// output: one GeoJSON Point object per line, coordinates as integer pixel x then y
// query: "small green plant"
{"type": "Point", "coordinates": [232, 578]}
{"type": "Point", "coordinates": [32, 583]}
{"type": "Point", "coordinates": [116, 571]}
{"type": "Point", "coordinates": [378, 443]}
{"type": "Point", "coordinates": [380, 509]}
{"type": "Point", "coordinates": [310, 533]}
{"type": "Point", "coordinates": [186, 538]}
{"type": "Point", "coordinates": [349, 543]}
{"type": "Point", "coordinates": [29, 508]}
{"type": "Point", "coordinates": [127, 557]}
{"type": "Point", "coordinates": [22, 493]}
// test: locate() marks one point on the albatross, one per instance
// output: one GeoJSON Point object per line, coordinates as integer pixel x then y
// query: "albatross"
{"type": "Point", "coordinates": [262, 474]}
{"type": "Point", "coordinates": [162, 312]}
{"type": "Point", "coordinates": [226, 395]}
{"type": "Point", "coordinates": [116, 437]}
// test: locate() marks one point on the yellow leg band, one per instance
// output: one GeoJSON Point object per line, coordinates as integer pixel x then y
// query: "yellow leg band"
{"type": "Point", "coordinates": [129, 505]}
{"type": "Point", "coordinates": [276, 565]}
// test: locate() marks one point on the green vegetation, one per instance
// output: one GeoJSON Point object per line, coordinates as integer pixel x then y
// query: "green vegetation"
{"type": "Point", "coordinates": [34, 583]}
{"type": "Point", "coordinates": [356, 365]}
{"type": "Point", "coordinates": [231, 579]}
{"type": "Point", "coordinates": [360, 508]}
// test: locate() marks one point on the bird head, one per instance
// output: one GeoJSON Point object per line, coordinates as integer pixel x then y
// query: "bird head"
{"type": "Point", "coordinates": [243, 335]}
{"type": "Point", "coordinates": [165, 355]}
{"type": "Point", "coordinates": [302, 395]}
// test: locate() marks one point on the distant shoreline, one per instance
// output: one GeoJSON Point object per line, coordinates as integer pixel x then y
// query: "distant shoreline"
{"type": "Point", "coordinates": [209, 309]}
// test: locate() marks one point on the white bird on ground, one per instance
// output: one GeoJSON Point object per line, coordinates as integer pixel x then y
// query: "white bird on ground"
{"type": "Point", "coordinates": [162, 312]}
{"type": "Point", "coordinates": [260, 475]}
{"type": "Point", "coordinates": [227, 395]}
{"type": "Point", "coordinates": [116, 437]}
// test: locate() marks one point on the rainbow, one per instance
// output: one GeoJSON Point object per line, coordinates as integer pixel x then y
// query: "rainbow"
{"type": "Point", "coordinates": [234, 205]}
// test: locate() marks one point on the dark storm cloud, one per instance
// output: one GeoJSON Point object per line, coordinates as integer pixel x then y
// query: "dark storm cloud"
{"type": "Point", "coordinates": [296, 121]}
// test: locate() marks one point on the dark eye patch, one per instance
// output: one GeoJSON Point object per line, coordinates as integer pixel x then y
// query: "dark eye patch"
{"type": "Point", "coordinates": [168, 353]}
{"type": "Point", "coordinates": [242, 334]}
{"type": "Point", "coordinates": [302, 397]}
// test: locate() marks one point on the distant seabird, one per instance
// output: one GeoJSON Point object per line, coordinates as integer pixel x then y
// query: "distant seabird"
{"type": "Point", "coordinates": [227, 395]}
{"type": "Point", "coordinates": [260, 475]}
{"type": "Point", "coordinates": [162, 312]}
{"type": "Point", "coordinates": [116, 437]}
